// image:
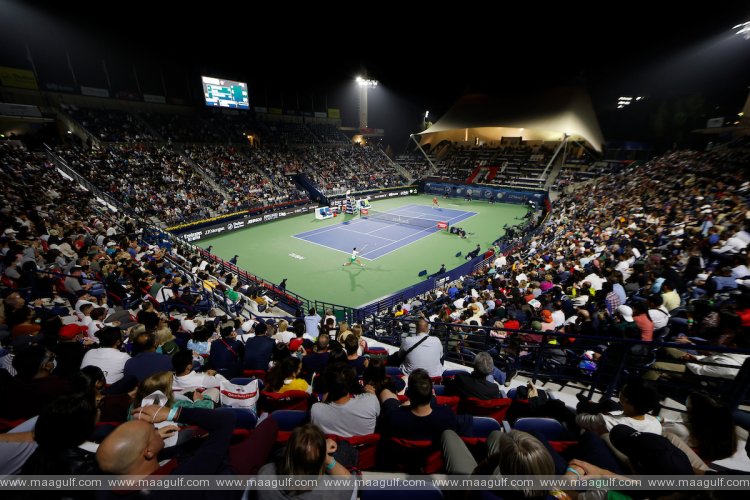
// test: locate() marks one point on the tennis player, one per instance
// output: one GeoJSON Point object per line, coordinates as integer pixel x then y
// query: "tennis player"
{"type": "Point", "coordinates": [435, 202]}
{"type": "Point", "coordinates": [353, 258]}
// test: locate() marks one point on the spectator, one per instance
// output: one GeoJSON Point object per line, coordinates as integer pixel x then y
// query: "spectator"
{"type": "Point", "coordinates": [475, 384]}
{"type": "Point", "coordinates": [422, 351]}
{"type": "Point", "coordinates": [418, 420]}
{"type": "Point", "coordinates": [145, 361]}
{"type": "Point", "coordinates": [343, 414]}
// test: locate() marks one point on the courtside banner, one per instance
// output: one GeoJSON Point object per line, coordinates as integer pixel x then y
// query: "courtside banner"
{"type": "Point", "coordinates": [212, 230]}
{"type": "Point", "coordinates": [379, 481]}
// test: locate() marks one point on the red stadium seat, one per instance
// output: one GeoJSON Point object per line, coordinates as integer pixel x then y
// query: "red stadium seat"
{"type": "Point", "coordinates": [366, 445]}
{"type": "Point", "coordinates": [289, 400]}
{"type": "Point", "coordinates": [493, 408]}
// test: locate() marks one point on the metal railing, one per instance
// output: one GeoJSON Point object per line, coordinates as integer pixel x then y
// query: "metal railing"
{"type": "Point", "coordinates": [559, 362]}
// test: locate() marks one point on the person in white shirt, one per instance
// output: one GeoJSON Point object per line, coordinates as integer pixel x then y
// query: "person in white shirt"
{"type": "Point", "coordinates": [637, 400]}
{"type": "Point", "coordinates": [187, 380]}
{"type": "Point", "coordinates": [108, 356]}
{"type": "Point", "coordinates": [329, 314]}
{"type": "Point", "coordinates": [312, 322]}
{"type": "Point", "coordinates": [341, 414]}
{"type": "Point", "coordinates": [427, 355]}
{"type": "Point", "coordinates": [188, 323]}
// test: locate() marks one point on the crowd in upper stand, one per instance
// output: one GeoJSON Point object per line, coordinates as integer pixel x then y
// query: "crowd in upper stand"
{"type": "Point", "coordinates": [649, 253]}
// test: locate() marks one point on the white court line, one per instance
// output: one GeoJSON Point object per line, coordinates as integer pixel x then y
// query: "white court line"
{"type": "Point", "coordinates": [326, 229]}
{"type": "Point", "coordinates": [333, 248]}
{"type": "Point", "coordinates": [412, 235]}
{"type": "Point", "coordinates": [365, 234]}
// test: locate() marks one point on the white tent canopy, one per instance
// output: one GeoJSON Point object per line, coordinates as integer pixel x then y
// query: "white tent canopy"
{"type": "Point", "coordinates": [545, 117]}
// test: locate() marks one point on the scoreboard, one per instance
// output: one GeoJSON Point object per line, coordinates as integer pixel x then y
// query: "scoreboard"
{"type": "Point", "coordinates": [225, 93]}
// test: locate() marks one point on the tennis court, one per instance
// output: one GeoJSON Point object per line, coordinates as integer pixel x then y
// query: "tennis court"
{"type": "Point", "coordinates": [313, 265]}
{"type": "Point", "coordinates": [381, 233]}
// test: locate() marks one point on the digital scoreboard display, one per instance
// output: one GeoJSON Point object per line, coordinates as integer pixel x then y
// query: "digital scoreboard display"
{"type": "Point", "coordinates": [225, 93]}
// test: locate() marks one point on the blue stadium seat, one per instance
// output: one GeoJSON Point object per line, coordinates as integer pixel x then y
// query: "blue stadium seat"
{"type": "Point", "coordinates": [547, 427]}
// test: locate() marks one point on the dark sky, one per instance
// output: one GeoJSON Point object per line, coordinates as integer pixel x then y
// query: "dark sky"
{"type": "Point", "coordinates": [423, 61]}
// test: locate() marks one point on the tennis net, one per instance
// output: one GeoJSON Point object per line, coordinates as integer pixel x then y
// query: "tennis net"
{"type": "Point", "coordinates": [400, 219]}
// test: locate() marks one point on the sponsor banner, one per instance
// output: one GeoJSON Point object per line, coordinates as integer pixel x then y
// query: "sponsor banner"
{"type": "Point", "coordinates": [334, 113]}
{"type": "Point", "coordinates": [159, 99]}
{"type": "Point", "coordinates": [476, 192]}
{"type": "Point", "coordinates": [19, 110]}
{"type": "Point", "coordinates": [93, 91]}
{"type": "Point", "coordinates": [379, 194]}
{"type": "Point", "coordinates": [56, 87]}
{"type": "Point", "coordinates": [18, 78]}
{"type": "Point", "coordinates": [319, 114]}
{"type": "Point", "coordinates": [240, 223]}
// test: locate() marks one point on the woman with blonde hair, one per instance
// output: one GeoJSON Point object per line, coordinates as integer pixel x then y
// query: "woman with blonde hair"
{"type": "Point", "coordinates": [165, 341]}
{"type": "Point", "coordinates": [162, 382]}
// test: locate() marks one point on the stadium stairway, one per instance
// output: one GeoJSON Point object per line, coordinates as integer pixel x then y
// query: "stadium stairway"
{"type": "Point", "coordinates": [474, 174]}
{"type": "Point", "coordinates": [310, 187]}
{"type": "Point", "coordinates": [492, 174]}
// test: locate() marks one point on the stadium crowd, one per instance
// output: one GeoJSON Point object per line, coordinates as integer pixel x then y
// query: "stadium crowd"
{"type": "Point", "coordinates": [113, 352]}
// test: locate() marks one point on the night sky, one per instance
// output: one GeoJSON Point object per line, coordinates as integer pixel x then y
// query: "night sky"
{"type": "Point", "coordinates": [311, 54]}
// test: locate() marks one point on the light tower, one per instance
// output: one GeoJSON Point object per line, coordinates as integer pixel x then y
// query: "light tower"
{"type": "Point", "coordinates": [364, 84]}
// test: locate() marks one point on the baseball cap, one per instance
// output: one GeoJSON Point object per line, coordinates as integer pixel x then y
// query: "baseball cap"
{"type": "Point", "coordinates": [294, 344]}
{"type": "Point", "coordinates": [650, 453]}
{"type": "Point", "coordinates": [70, 331]}
{"type": "Point", "coordinates": [626, 312]}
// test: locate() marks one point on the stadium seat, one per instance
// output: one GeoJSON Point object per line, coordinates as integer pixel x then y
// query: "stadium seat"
{"type": "Point", "coordinates": [494, 408]}
{"type": "Point", "coordinates": [411, 456]}
{"type": "Point", "coordinates": [289, 400]}
{"type": "Point", "coordinates": [451, 402]}
{"type": "Point", "coordinates": [288, 420]}
{"type": "Point", "coordinates": [259, 374]}
{"type": "Point", "coordinates": [439, 390]}
{"type": "Point", "coordinates": [366, 446]}
{"type": "Point", "coordinates": [246, 418]}
{"type": "Point", "coordinates": [551, 429]}
{"type": "Point", "coordinates": [483, 426]}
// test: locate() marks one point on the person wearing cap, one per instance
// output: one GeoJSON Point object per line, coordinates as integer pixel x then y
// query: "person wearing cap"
{"type": "Point", "coordinates": [70, 349]}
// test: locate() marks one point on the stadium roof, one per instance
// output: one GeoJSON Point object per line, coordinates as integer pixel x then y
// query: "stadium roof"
{"type": "Point", "coordinates": [546, 116]}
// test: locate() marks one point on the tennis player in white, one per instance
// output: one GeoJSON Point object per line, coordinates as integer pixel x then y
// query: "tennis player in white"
{"type": "Point", "coordinates": [353, 258]}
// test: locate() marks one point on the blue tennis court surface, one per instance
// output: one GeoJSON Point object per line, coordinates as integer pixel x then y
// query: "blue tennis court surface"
{"type": "Point", "coordinates": [375, 238]}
